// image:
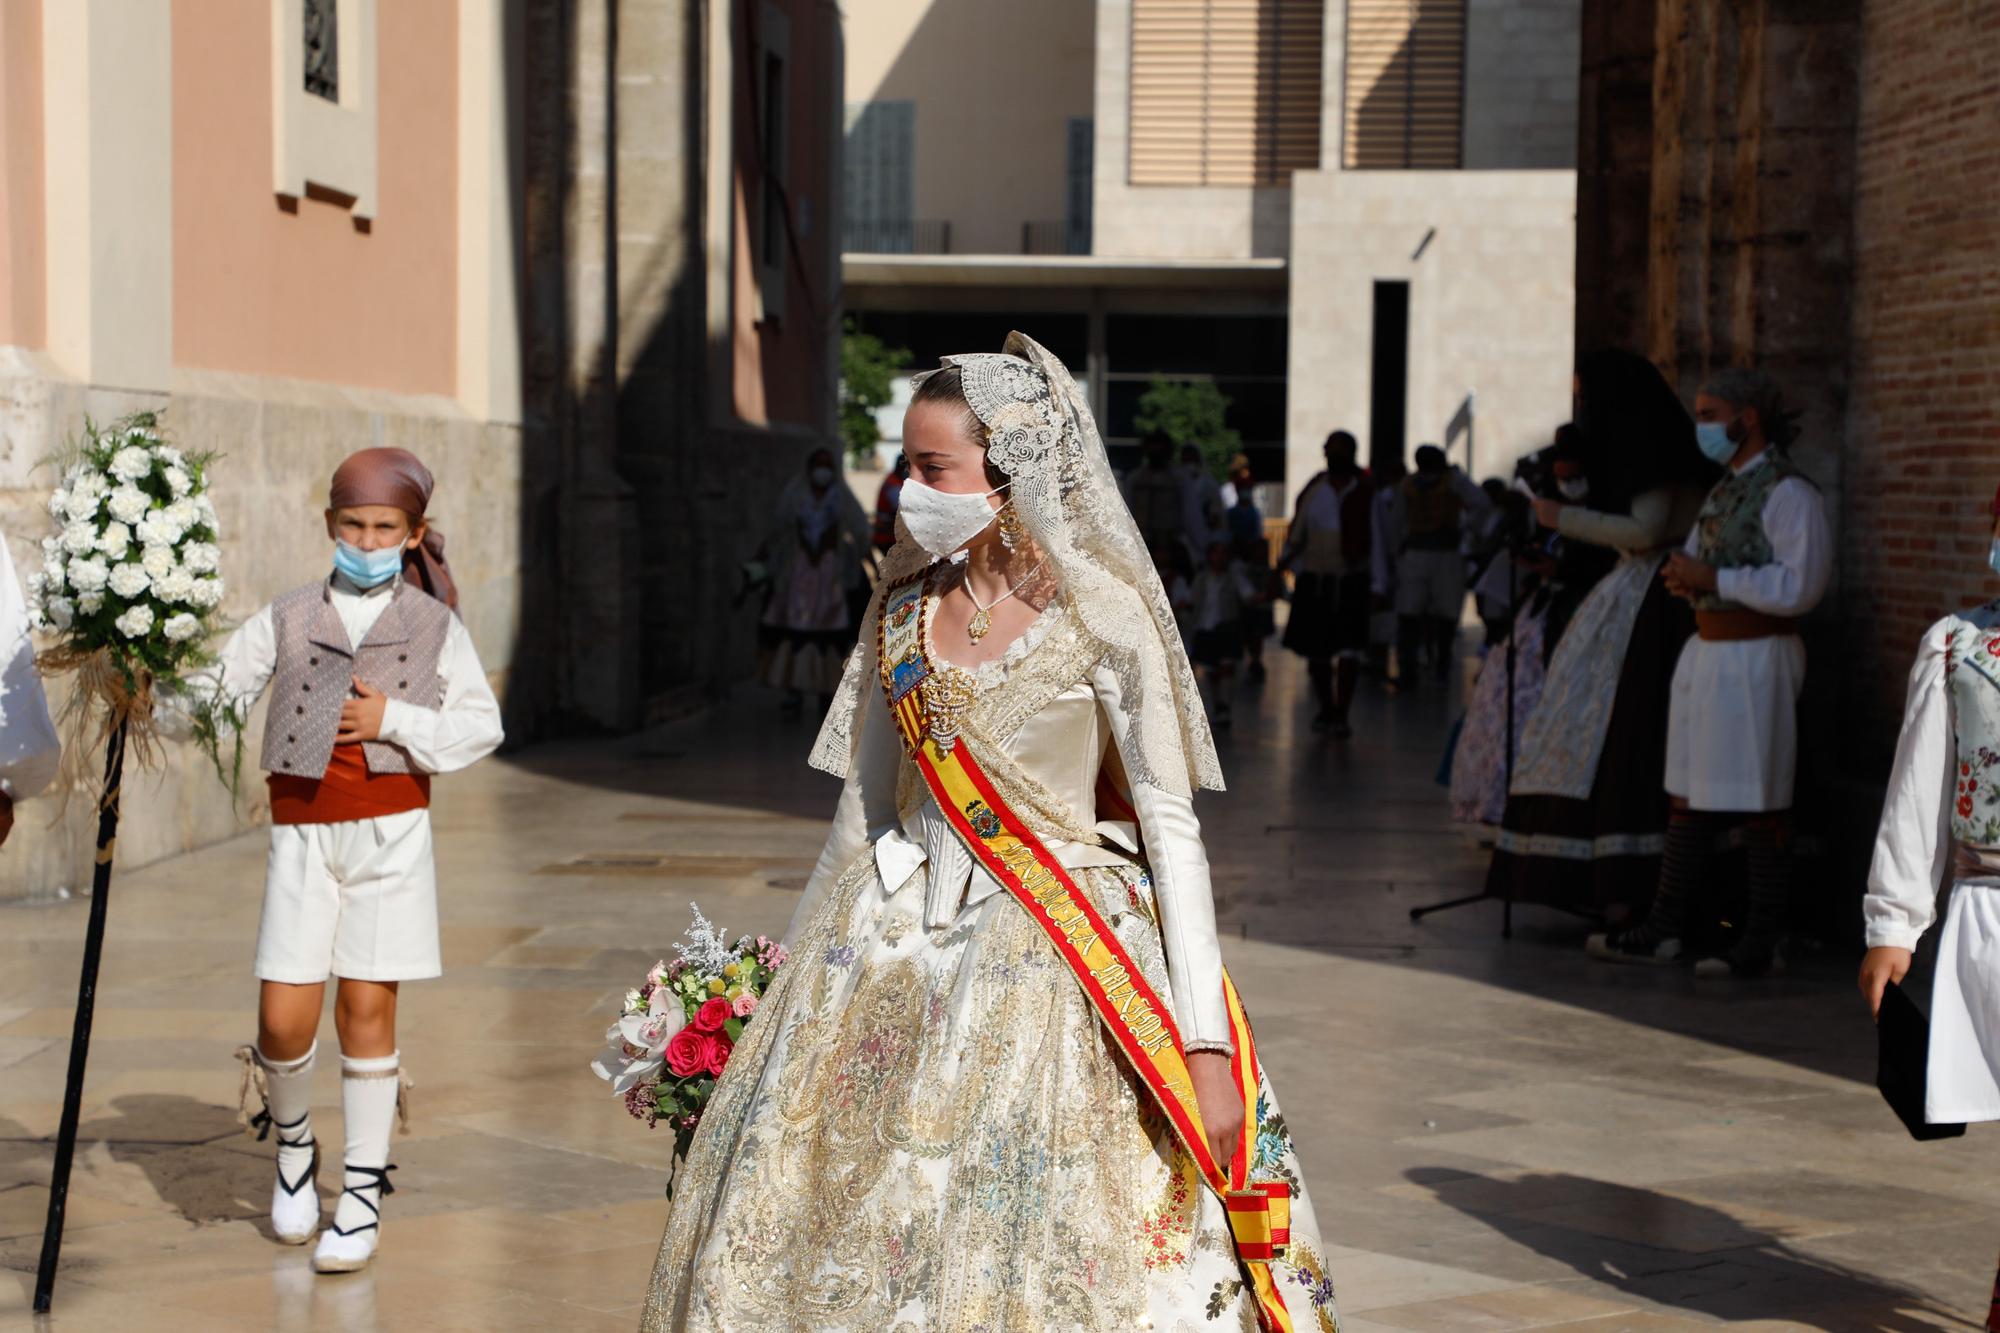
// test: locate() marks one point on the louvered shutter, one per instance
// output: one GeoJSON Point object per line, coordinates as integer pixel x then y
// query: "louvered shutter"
{"type": "Point", "coordinates": [1405, 96]}
{"type": "Point", "coordinates": [1224, 92]}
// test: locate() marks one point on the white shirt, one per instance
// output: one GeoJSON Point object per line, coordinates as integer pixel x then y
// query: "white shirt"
{"type": "Point", "coordinates": [1914, 840]}
{"type": "Point", "coordinates": [1219, 599]}
{"type": "Point", "coordinates": [465, 727]}
{"type": "Point", "coordinates": [1801, 561]}
{"type": "Point", "coordinates": [30, 753]}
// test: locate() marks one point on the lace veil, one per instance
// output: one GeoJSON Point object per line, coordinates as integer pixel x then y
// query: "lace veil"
{"type": "Point", "coordinates": [1041, 435]}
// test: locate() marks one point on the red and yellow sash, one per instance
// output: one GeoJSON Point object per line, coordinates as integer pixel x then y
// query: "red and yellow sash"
{"type": "Point", "coordinates": [1132, 1012]}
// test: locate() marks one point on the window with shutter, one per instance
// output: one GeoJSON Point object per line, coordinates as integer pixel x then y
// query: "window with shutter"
{"type": "Point", "coordinates": [1405, 96]}
{"type": "Point", "coordinates": [1225, 92]}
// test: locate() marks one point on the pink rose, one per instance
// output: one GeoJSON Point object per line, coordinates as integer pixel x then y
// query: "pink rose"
{"type": "Point", "coordinates": [712, 1015]}
{"type": "Point", "coordinates": [688, 1054]}
{"type": "Point", "coordinates": [745, 1006]}
{"type": "Point", "coordinates": [719, 1049]}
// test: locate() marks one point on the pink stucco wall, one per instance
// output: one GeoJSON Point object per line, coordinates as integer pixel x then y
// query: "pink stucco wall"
{"type": "Point", "coordinates": [303, 293]}
{"type": "Point", "coordinates": [21, 204]}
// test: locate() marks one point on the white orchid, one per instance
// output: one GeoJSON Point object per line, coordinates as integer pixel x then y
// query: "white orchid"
{"type": "Point", "coordinates": [180, 628]}
{"type": "Point", "coordinates": [137, 622]}
{"type": "Point", "coordinates": [133, 461]}
{"type": "Point", "coordinates": [129, 504]}
{"type": "Point", "coordinates": [129, 580]}
{"type": "Point", "coordinates": [88, 574]}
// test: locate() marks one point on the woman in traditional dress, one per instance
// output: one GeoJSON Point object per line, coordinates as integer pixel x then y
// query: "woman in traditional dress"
{"type": "Point", "coordinates": [817, 551]}
{"type": "Point", "coordinates": [1586, 816]}
{"type": "Point", "coordinates": [1003, 1081]}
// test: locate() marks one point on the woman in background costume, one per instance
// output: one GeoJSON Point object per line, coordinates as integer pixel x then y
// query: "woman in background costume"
{"type": "Point", "coordinates": [1586, 816]}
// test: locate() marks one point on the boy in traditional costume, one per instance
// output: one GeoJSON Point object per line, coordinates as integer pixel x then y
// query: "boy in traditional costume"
{"type": "Point", "coordinates": [375, 686]}
{"type": "Point", "coordinates": [1943, 791]}
{"type": "Point", "coordinates": [1757, 560]}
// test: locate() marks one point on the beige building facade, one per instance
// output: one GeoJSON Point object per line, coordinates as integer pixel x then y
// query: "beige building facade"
{"type": "Point", "coordinates": [550, 247]}
{"type": "Point", "coordinates": [1275, 169]}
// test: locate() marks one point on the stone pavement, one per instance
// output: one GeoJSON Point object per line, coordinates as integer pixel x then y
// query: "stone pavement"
{"type": "Point", "coordinates": [1498, 1135]}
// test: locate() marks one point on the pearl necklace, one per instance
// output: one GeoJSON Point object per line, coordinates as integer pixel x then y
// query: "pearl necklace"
{"type": "Point", "coordinates": [982, 619]}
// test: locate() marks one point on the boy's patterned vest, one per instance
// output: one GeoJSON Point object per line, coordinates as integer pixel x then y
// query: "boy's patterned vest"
{"type": "Point", "coordinates": [1972, 674]}
{"type": "Point", "coordinates": [1731, 523]}
{"type": "Point", "coordinates": [316, 667]}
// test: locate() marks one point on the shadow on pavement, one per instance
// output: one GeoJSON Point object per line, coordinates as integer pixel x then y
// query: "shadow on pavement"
{"type": "Point", "coordinates": [1681, 1254]}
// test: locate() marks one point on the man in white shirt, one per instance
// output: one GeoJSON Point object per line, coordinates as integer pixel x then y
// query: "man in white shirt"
{"type": "Point", "coordinates": [1757, 560]}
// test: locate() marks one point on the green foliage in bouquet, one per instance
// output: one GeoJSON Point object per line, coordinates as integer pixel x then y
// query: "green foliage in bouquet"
{"type": "Point", "coordinates": [130, 587]}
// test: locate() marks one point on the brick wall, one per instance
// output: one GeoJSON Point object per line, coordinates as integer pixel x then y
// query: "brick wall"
{"type": "Point", "coordinates": [1923, 446]}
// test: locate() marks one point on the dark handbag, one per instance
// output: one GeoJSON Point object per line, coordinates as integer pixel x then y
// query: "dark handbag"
{"type": "Point", "coordinates": [1903, 1049]}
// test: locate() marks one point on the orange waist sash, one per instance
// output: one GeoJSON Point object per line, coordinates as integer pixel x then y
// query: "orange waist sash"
{"type": "Point", "coordinates": [347, 791]}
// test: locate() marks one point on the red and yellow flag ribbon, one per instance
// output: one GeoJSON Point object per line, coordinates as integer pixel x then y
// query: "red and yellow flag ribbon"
{"type": "Point", "coordinates": [1134, 1014]}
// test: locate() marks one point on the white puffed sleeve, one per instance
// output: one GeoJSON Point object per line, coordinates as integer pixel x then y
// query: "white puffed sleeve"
{"type": "Point", "coordinates": [1915, 835]}
{"type": "Point", "coordinates": [1179, 863]}
{"type": "Point", "coordinates": [867, 807]}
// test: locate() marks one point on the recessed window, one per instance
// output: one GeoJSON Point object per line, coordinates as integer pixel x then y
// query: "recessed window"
{"type": "Point", "coordinates": [322, 44]}
{"type": "Point", "coordinates": [1225, 92]}
{"type": "Point", "coordinates": [1405, 84]}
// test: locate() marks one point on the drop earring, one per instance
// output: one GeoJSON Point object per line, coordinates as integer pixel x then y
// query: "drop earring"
{"type": "Point", "coordinates": [1009, 523]}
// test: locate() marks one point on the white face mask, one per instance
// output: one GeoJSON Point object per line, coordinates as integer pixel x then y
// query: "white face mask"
{"type": "Point", "coordinates": [942, 522]}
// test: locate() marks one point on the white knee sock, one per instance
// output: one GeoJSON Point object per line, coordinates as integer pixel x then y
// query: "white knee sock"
{"type": "Point", "coordinates": [288, 1102]}
{"type": "Point", "coordinates": [368, 1090]}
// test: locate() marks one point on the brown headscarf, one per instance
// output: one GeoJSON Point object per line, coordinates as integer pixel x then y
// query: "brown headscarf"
{"type": "Point", "coordinates": [396, 477]}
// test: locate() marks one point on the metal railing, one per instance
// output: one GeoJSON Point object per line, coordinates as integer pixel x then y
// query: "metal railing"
{"type": "Point", "coordinates": [905, 237]}
{"type": "Point", "coordinates": [1054, 238]}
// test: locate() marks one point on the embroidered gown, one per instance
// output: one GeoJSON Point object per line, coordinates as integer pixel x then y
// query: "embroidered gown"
{"type": "Point", "coordinates": [925, 1128]}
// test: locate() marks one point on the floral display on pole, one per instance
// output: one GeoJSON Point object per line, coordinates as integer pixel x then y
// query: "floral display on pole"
{"type": "Point", "coordinates": [129, 589]}
{"type": "Point", "coordinates": [677, 1028]}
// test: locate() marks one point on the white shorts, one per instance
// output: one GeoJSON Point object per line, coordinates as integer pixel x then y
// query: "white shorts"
{"type": "Point", "coordinates": [1733, 725]}
{"type": "Point", "coordinates": [1430, 583]}
{"type": "Point", "coordinates": [356, 899]}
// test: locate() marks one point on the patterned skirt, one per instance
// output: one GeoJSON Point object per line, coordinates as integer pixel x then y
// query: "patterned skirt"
{"type": "Point", "coordinates": [927, 1132]}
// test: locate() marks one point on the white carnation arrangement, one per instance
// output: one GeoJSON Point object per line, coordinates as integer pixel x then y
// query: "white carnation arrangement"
{"type": "Point", "coordinates": [131, 583]}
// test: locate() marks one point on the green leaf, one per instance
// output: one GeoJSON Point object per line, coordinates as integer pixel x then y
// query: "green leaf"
{"type": "Point", "coordinates": [868, 369]}
{"type": "Point", "coordinates": [1190, 412]}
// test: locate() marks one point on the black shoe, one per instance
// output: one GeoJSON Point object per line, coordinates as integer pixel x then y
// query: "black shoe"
{"type": "Point", "coordinates": [1323, 722]}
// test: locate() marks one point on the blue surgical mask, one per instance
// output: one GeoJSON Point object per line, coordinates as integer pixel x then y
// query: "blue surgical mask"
{"type": "Point", "coordinates": [1993, 556]}
{"type": "Point", "coordinates": [367, 569]}
{"type": "Point", "coordinates": [1713, 437]}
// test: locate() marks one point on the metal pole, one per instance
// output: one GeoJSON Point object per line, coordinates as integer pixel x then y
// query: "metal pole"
{"type": "Point", "coordinates": [86, 1004]}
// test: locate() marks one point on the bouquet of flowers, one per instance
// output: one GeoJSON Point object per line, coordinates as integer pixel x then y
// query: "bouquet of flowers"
{"type": "Point", "coordinates": [678, 1028]}
{"type": "Point", "coordinates": [130, 585]}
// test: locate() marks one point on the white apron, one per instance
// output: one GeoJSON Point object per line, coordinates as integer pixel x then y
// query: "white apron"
{"type": "Point", "coordinates": [1964, 1072]}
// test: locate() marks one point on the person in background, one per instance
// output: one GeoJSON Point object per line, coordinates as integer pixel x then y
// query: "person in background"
{"type": "Point", "coordinates": [1586, 816]}
{"type": "Point", "coordinates": [1494, 580]}
{"type": "Point", "coordinates": [1218, 597]}
{"type": "Point", "coordinates": [887, 499]}
{"type": "Point", "coordinates": [1244, 522]}
{"type": "Point", "coordinates": [1327, 553]}
{"type": "Point", "coordinates": [1941, 821]}
{"type": "Point", "coordinates": [1202, 506]}
{"type": "Point", "coordinates": [1387, 476]}
{"type": "Point", "coordinates": [1155, 492]}
{"type": "Point", "coordinates": [1758, 559]}
{"type": "Point", "coordinates": [1427, 518]}
{"type": "Point", "coordinates": [30, 753]}
{"type": "Point", "coordinates": [817, 552]}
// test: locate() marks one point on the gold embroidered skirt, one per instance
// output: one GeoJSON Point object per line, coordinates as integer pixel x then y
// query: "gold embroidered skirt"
{"type": "Point", "coordinates": [927, 1132]}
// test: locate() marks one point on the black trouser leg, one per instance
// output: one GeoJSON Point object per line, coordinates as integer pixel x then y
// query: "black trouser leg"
{"type": "Point", "coordinates": [1346, 672]}
{"type": "Point", "coordinates": [1690, 836]}
{"type": "Point", "coordinates": [1767, 847]}
{"type": "Point", "coordinates": [1321, 672]}
{"type": "Point", "coordinates": [1444, 638]}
